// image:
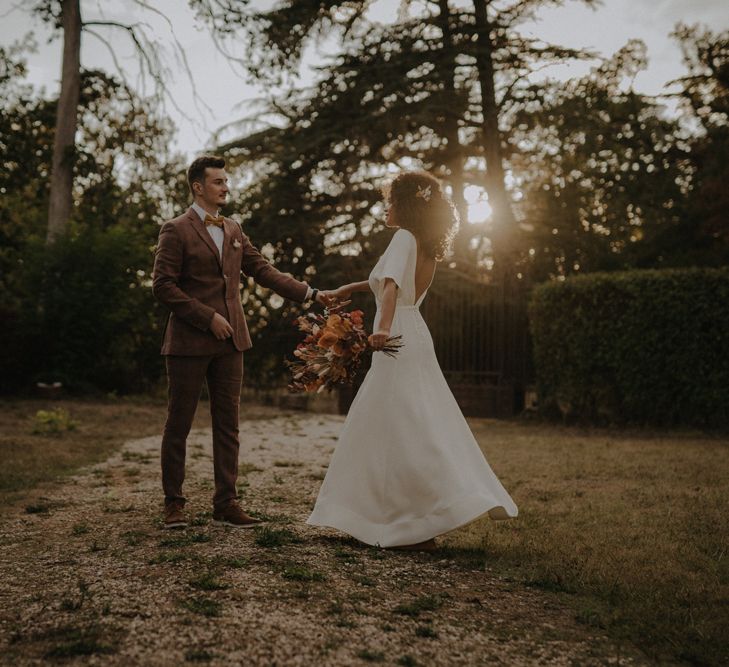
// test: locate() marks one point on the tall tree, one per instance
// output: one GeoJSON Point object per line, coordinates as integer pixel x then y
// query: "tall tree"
{"type": "Point", "coordinates": [603, 172]}
{"type": "Point", "coordinates": [453, 158]}
{"type": "Point", "coordinates": [81, 309]}
{"type": "Point", "coordinates": [504, 219]}
{"type": "Point", "coordinates": [704, 94]}
{"type": "Point", "coordinates": [434, 88]}
{"type": "Point", "coordinates": [61, 178]}
{"type": "Point", "coordinates": [66, 16]}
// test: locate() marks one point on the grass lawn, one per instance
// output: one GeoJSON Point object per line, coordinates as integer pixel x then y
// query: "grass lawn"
{"type": "Point", "coordinates": [631, 526]}
{"type": "Point", "coordinates": [28, 458]}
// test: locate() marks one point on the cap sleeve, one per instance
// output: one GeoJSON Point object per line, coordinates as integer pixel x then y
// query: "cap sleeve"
{"type": "Point", "coordinates": [396, 262]}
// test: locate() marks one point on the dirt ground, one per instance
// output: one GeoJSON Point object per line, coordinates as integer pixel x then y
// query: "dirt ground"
{"type": "Point", "coordinates": [89, 577]}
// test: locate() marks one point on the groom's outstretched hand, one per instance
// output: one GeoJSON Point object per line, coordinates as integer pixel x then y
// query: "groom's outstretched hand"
{"type": "Point", "coordinates": [220, 327]}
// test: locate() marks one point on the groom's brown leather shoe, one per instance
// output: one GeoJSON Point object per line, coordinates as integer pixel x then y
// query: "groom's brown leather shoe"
{"type": "Point", "coordinates": [233, 515]}
{"type": "Point", "coordinates": [175, 515]}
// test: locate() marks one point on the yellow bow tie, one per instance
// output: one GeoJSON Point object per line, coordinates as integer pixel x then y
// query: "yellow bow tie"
{"type": "Point", "coordinates": [210, 220]}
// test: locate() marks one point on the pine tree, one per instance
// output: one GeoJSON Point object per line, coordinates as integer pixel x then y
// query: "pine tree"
{"type": "Point", "coordinates": [433, 90]}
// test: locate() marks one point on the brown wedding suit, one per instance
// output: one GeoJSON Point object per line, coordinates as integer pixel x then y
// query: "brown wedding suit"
{"type": "Point", "coordinates": [194, 282]}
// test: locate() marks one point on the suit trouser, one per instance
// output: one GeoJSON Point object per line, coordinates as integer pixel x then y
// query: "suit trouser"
{"type": "Point", "coordinates": [185, 375]}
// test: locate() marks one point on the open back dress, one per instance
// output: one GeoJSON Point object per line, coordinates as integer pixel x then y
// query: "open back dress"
{"type": "Point", "coordinates": [406, 467]}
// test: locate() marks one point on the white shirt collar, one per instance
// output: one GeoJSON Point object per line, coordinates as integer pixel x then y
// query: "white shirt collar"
{"type": "Point", "coordinates": [201, 211]}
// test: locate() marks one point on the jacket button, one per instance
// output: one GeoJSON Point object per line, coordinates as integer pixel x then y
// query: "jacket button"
{"type": "Point", "coordinates": [225, 275]}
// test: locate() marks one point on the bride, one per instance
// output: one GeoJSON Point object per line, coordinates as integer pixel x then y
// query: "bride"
{"type": "Point", "coordinates": [406, 467]}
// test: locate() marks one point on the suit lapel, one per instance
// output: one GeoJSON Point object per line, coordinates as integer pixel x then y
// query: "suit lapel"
{"type": "Point", "coordinates": [199, 226]}
{"type": "Point", "coordinates": [227, 238]}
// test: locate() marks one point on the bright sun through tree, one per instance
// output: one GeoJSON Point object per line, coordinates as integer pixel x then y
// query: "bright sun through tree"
{"type": "Point", "coordinates": [478, 207]}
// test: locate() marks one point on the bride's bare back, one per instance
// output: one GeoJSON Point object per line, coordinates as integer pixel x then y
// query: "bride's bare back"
{"type": "Point", "coordinates": [424, 273]}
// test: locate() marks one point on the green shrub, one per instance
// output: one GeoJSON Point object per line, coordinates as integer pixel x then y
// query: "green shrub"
{"type": "Point", "coordinates": [53, 422]}
{"type": "Point", "coordinates": [644, 347]}
{"type": "Point", "coordinates": [87, 316]}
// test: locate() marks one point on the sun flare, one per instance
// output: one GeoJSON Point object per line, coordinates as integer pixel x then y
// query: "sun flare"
{"type": "Point", "coordinates": [478, 209]}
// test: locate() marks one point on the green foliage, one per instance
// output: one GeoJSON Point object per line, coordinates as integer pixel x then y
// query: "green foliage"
{"type": "Point", "coordinates": [203, 606]}
{"type": "Point", "coordinates": [426, 631]}
{"type": "Point", "coordinates": [198, 655]}
{"type": "Point", "coordinates": [705, 96]}
{"type": "Point", "coordinates": [604, 179]}
{"type": "Point", "coordinates": [644, 347]}
{"type": "Point", "coordinates": [368, 655]}
{"type": "Point", "coordinates": [185, 540]}
{"type": "Point", "coordinates": [53, 422]}
{"type": "Point", "coordinates": [79, 529]}
{"type": "Point", "coordinates": [71, 641]}
{"type": "Point", "coordinates": [273, 538]}
{"type": "Point", "coordinates": [399, 95]}
{"type": "Point", "coordinates": [603, 172]}
{"type": "Point", "coordinates": [419, 605]}
{"type": "Point", "coordinates": [38, 508]}
{"type": "Point", "coordinates": [88, 318]}
{"type": "Point", "coordinates": [208, 581]}
{"type": "Point", "coordinates": [390, 99]}
{"type": "Point", "coordinates": [301, 573]}
{"type": "Point", "coordinates": [705, 88]}
{"type": "Point", "coordinates": [81, 311]}
{"type": "Point", "coordinates": [611, 182]}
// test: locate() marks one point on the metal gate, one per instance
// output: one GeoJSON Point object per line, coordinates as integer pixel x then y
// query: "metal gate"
{"type": "Point", "coordinates": [481, 338]}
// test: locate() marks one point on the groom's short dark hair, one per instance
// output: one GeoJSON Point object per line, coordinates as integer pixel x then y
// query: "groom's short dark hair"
{"type": "Point", "coordinates": [196, 171]}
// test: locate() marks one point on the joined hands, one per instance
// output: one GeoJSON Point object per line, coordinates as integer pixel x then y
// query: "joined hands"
{"type": "Point", "coordinates": [334, 300]}
{"type": "Point", "coordinates": [326, 298]}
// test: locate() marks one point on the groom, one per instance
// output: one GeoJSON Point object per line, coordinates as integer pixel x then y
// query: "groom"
{"type": "Point", "coordinates": [197, 273]}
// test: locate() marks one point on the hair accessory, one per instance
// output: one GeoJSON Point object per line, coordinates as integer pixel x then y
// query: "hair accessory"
{"type": "Point", "coordinates": [423, 193]}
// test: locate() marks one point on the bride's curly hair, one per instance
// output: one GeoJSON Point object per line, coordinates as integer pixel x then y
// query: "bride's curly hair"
{"type": "Point", "coordinates": [419, 205]}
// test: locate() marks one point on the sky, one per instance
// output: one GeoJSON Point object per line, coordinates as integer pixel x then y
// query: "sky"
{"type": "Point", "coordinates": [229, 97]}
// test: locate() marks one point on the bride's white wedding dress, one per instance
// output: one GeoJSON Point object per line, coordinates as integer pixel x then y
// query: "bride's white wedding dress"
{"type": "Point", "coordinates": [406, 466]}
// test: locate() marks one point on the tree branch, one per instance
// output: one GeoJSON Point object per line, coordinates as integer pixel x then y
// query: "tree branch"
{"type": "Point", "coordinates": [149, 57]}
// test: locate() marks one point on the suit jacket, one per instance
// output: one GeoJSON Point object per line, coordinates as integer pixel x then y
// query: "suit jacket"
{"type": "Point", "coordinates": [194, 282]}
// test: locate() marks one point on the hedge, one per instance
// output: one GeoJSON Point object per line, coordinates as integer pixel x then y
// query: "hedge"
{"type": "Point", "coordinates": [82, 313]}
{"type": "Point", "coordinates": [643, 346]}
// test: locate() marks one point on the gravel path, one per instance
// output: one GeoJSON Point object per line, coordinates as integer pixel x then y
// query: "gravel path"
{"type": "Point", "coordinates": [88, 576]}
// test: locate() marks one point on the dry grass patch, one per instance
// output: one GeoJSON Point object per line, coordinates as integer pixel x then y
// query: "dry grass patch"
{"type": "Point", "coordinates": [89, 432]}
{"type": "Point", "coordinates": [208, 581]}
{"type": "Point", "coordinates": [295, 572]}
{"type": "Point", "coordinates": [632, 526]}
{"type": "Point", "coordinates": [272, 538]}
{"type": "Point", "coordinates": [203, 606]}
{"type": "Point", "coordinates": [29, 456]}
{"type": "Point", "coordinates": [419, 605]}
{"type": "Point", "coordinates": [246, 468]}
{"type": "Point", "coordinates": [199, 655]}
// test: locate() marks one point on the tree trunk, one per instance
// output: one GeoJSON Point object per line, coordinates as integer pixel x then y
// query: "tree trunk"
{"type": "Point", "coordinates": [503, 215]}
{"type": "Point", "coordinates": [61, 197]}
{"type": "Point", "coordinates": [454, 156]}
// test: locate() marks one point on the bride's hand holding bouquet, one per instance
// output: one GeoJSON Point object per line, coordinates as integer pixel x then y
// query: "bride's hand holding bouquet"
{"type": "Point", "coordinates": [378, 340]}
{"type": "Point", "coordinates": [333, 349]}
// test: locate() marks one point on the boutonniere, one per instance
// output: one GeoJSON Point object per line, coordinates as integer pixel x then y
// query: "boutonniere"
{"type": "Point", "coordinates": [236, 243]}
